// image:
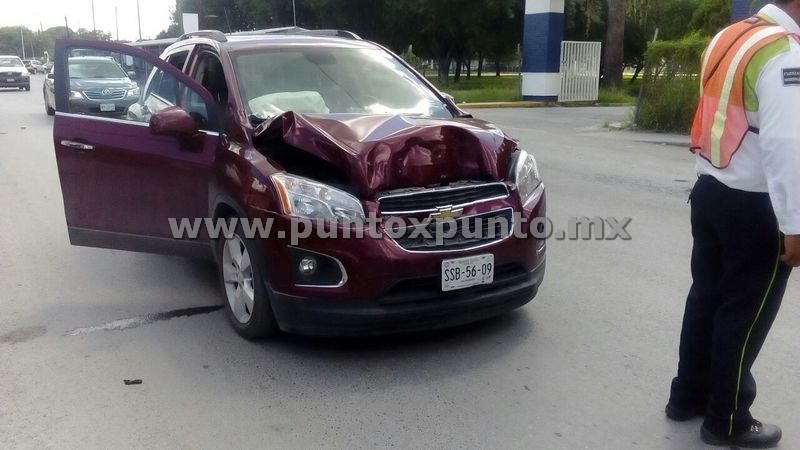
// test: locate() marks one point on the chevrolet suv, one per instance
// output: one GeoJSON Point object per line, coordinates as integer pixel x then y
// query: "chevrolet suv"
{"type": "Point", "coordinates": [320, 135]}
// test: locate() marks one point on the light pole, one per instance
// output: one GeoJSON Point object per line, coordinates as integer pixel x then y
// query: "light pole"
{"type": "Point", "coordinates": [139, 19]}
{"type": "Point", "coordinates": [294, 13]}
{"type": "Point", "coordinates": [22, 39]}
{"type": "Point", "coordinates": [94, 27]}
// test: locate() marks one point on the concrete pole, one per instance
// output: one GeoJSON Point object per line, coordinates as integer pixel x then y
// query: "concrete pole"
{"type": "Point", "coordinates": [139, 19]}
{"type": "Point", "coordinates": [541, 49]}
{"type": "Point", "coordinates": [22, 39]}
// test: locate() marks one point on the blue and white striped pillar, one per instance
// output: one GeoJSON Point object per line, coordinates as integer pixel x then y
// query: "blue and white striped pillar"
{"type": "Point", "coordinates": [541, 49]}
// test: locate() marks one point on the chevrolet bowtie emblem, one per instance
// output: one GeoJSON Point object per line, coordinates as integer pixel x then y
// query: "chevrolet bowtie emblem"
{"type": "Point", "coordinates": [446, 212]}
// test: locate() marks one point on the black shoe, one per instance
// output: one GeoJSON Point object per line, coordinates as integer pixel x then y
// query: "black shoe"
{"type": "Point", "coordinates": [758, 436]}
{"type": "Point", "coordinates": [682, 415]}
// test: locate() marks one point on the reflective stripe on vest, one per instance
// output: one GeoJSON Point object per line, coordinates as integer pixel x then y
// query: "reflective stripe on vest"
{"type": "Point", "coordinates": [720, 122]}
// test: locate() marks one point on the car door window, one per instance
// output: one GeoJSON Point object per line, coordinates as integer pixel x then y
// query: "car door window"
{"type": "Point", "coordinates": [178, 59]}
{"type": "Point", "coordinates": [164, 91]}
{"type": "Point", "coordinates": [121, 86]}
{"type": "Point", "coordinates": [211, 75]}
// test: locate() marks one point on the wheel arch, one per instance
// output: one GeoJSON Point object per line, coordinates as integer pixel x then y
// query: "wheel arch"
{"type": "Point", "coordinates": [223, 207]}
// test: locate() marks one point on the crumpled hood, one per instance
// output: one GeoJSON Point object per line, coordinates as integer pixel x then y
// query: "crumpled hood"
{"type": "Point", "coordinates": [384, 152]}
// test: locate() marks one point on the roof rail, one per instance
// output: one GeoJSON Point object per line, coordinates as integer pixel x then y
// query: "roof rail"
{"type": "Point", "coordinates": [281, 30]}
{"type": "Point", "coordinates": [334, 33]}
{"type": "Point", "coordinates": [300, 31]}
{"type": "Point", "coordinates": [211, 34]}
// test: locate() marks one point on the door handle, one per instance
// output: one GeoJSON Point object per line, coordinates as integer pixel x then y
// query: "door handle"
{"type": "Point", "coordinates": [77, 145]}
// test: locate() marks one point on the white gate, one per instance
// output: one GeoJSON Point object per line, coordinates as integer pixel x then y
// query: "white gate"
{"type": "Point", "coordinates": [580, 71]}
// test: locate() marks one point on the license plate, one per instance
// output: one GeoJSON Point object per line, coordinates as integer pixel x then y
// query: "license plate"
{"type": "Point", "coordinates": [465, 272]}
{"type": "Point", "coordinates": [10, 80]}
{"type": "Point", "coordinates": [106, 107]}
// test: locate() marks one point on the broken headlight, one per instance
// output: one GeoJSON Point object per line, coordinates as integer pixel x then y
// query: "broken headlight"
{"type": "Point", "coordinates": [306, 198]}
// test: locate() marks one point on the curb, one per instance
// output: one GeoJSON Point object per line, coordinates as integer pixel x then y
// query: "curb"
{"type": "Point", "coordinates": [505, 105]}
{"type": "Point", "coordinates": [535, 105]}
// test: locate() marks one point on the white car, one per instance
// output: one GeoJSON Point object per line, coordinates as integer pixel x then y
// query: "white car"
{"type": "Point", "coordinates": [13, 73]}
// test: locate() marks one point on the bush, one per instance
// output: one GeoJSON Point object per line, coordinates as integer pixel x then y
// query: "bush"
{"type": "Point", "coordinates": [670, 88]}
{"type": "Point", "coordinates": [413, 60]}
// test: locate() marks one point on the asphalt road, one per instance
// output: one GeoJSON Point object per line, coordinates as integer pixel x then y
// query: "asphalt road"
{"type": "Point", "coordinates": [586, 365]}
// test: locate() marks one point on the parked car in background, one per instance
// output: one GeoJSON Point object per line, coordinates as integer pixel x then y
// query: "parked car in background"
{"type": "Point", "coordinates": [34, 66]}
{"type": "Point", "coordinates": [321, 126]}
{"type": "Point", "coordinates": [38, 67]}
{"type": "Point", "coordinates": [97, 85]}
{"type": "Point", "coordinates": [49, 94]}
{"type": "Point", "coordinates": [13, 73]}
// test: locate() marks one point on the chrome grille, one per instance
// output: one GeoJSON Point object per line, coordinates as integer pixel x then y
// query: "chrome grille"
{"type": "Point", "coordinates": [470, 232]}
{"type": "Point", "coordinates": [105, 94]}
{"type": "Point", "coordinates": [430, 200]}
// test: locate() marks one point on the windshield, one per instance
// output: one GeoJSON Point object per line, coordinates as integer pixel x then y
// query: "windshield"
{"type": "Point", "coordinates": [11, 62]}
{"type": "Point", "coordinates": [332, 80]}
{"type": "Point", "coordinates": [95, 69]}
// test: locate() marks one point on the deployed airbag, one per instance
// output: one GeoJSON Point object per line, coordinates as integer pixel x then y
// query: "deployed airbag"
{"type": "Point", "coordinates": [303, 102]}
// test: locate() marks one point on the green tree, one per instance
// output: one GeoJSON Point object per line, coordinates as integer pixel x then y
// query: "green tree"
{"type": "Point", "coordinates": [614, 44]}
{"type": "Point", "coordinates": [711, 16]}
{"type": "Point", "coordinates": [224, 15]}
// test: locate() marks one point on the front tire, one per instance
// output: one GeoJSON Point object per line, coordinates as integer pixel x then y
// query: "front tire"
{"type": "Point", "coordinates": [241, 272]}
{"type": "Point", "coordinates": [28, 87]}
{"type": "Point", "coordinates": [50, 111]}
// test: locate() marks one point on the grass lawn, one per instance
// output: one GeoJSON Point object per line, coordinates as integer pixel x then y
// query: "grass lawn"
{"type": "Point", "coordinates": [506, 88]}
{"type": "Point", "coordinates": [487, 88]}
{"type": "Point", "coordinates": [616, 96]}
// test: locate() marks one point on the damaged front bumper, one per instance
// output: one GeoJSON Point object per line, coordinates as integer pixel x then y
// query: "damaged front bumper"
{"type": "Point", "coordinates": [387, 289]}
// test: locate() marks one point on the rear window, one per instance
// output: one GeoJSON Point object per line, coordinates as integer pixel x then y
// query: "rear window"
{"type": "Point", "coordinates": [11, 62]}
{"type": "Point", "coordinates": [95, 69]}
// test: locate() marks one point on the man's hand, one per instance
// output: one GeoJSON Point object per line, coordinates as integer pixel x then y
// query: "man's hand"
{"type": "Point", "coordinates": [791, 252]}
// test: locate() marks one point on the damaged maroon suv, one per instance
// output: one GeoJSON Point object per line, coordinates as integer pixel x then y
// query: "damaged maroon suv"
{"type": "Point", "coordinates": [339, 192]}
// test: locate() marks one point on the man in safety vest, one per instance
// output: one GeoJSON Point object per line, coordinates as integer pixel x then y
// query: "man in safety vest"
{"type": "Point", "coordinates": [745, 221]}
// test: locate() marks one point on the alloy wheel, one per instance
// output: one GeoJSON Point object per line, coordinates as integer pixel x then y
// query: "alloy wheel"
{"type": "Point", "coordinates": [237, 273]}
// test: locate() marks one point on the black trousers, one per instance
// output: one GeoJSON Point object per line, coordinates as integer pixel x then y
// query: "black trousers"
{"type": "Point", "coordinates": [738, 285]}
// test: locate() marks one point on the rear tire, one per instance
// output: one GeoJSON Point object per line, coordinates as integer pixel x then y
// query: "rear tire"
{"type": "Point", "coordinates": [28, 87]}
{"type": "Point", "coordinates": [241, 270]}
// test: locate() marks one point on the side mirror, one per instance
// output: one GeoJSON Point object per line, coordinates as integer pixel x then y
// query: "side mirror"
{"type": "Point", "coordinates": [173, 120]}
{"type": "Point", "coordinates": [51, 76]}
{"type": "Point", "coordinates": [132, 75]}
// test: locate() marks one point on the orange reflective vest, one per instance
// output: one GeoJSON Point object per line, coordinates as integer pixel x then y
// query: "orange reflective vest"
{"type": "Point", "coordinates": [720, 122]}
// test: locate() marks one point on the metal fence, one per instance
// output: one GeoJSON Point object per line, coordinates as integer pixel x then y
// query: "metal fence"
{"type": "Point", "coordinates": [580, 71]}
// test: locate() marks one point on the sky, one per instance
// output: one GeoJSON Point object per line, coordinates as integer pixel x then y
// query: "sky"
{"type": "Point", "coordinates": [154, 14]}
